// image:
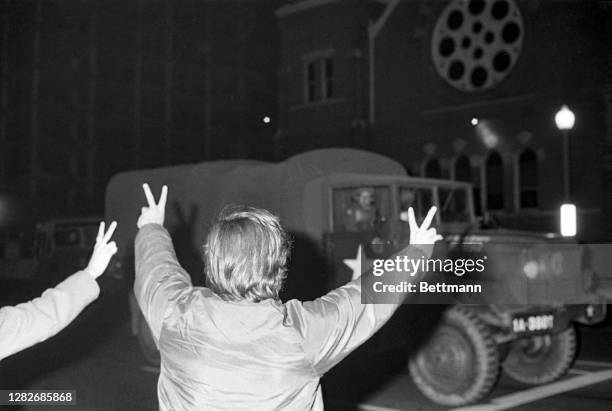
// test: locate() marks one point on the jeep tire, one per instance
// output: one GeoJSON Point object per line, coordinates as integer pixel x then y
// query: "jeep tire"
{"type": "Point", "coordinates": [147, 344]}
{"type": "Point", "coordinates": [460, 363]}
{"type": "Point", "coordinates": [541, 359]}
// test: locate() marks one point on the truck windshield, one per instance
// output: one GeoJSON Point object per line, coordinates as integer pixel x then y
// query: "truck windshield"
{"type": "Point", "coordinates": [454, 205]}
{"type": "Point", "coordinates": [419, 198]}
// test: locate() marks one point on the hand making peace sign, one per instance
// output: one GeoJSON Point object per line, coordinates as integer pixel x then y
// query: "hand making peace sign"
{"type": "Point", "coordinates": [154, 213]}
{"type": "Point", "coordinates": [103, 251]}
{"type": "Point", "coordinates": [423, 235]}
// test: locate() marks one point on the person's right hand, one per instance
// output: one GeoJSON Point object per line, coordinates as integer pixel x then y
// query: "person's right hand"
{"type": "Point", "coordinates": [423, 236]}
{"type": "Point", "coordinates": [155, 212]}
{"type": "Point", "coordinates": [103, 251]}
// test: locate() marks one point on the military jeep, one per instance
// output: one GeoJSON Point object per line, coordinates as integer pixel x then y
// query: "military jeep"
{"type": "Point", "coordinates": [332, 201]}
{"type": "Point", "coordinates": [524, 325]}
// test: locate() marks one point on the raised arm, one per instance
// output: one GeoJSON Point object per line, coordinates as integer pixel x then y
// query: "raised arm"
{"type": "Point", "coordinates": [337, 323]}
{"type": "Point", "coordinates": [32, 322]}
{"type": "Point", "coordinates": [159, 280]}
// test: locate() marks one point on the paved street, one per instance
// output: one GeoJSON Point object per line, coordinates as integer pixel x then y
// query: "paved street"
{"type": "Point", "coordinates": [97, 357]}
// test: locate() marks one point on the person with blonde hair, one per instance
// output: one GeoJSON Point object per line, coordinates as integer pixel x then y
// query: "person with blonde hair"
{"type": "Point", "coordinates": [233, 344]}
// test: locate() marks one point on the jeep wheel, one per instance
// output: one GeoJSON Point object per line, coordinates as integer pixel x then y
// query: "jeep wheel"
{"type": "Point", "coordinates": [460, 363]}
{"type": "Point", "coordinates": [146, 342]}
{"type": "Point", "coordinates": [541, 359]}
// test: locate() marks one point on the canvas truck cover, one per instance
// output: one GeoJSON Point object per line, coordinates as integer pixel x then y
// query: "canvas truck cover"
{"type": "Point", "coordinates": [198, 191]}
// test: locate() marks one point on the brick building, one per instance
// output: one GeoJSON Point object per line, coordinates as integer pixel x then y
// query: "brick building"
{"type": "Point", "coordinates": [90, 88]}
{"type": "Point", "coordinates": [461, 89]}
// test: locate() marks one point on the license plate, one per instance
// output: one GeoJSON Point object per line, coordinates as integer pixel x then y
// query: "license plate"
{"type": "Point", "coordinates": [533, 323]}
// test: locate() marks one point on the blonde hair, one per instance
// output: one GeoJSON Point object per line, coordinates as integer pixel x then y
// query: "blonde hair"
{"type": "Point", "coordinates": [246, 254]}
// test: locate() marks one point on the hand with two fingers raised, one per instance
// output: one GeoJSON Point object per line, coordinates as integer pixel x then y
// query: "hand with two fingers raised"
{"type": "Point", "coordinates": [103, 251]}
{"type": "Point", "coordinates": [154, 213]}
{"type": "Point", "coordinates": [423, 237]}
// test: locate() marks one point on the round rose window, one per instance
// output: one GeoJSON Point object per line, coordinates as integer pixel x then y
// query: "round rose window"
{"type": "Point", "coordinates": [475, 43]}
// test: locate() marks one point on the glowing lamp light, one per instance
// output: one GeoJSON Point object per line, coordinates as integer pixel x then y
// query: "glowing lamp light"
{"type": "Point", "coordinates": [490, 140]}
{"type": "Point", "coordinates": [266, 120]}
{"type": "Point", "coordinates": [487, 135]}
{"type": "Point", "coordinates": [565, 118]}
{"type": "Point", "coordinates": [568, 220]}
{"type": "Point", "coordinates": [474, 121]}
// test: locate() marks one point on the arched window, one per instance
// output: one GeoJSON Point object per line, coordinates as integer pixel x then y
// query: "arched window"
{"type": "Point", "coordinates": [494, 181]}
{"type": "Point", "coordinates": [463, 170]}
{"type": "Point", "coordinates": [433, 169]}
{"type": "Point", "coordinates": [528, 179]}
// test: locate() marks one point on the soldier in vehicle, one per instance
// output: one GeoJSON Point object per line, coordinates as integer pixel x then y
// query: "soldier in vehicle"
{"type": "Point", "coordinates": [407, 197]}
{"type": "Point", "coordinates": [362, 215]}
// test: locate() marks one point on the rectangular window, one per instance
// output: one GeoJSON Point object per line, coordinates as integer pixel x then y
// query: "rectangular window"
{"type": "Point", "coordinates": [313, 83]}
{"type": "Point", "coordinates": [528, 179]}
{"type": "Point", "coordinates": [319, 79]}
{"type": "Point", "coordinates": [329, 78]}
{"type": "Point", "coordinates": [477, 200]}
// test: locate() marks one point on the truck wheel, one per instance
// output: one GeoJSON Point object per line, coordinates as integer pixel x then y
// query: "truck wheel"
{"type": "Point", "coordinates": [460, 363]}
{"type": "Point", "coordinates": [146, 342]}
{"type": "Point", "coordinates": [541, 359]}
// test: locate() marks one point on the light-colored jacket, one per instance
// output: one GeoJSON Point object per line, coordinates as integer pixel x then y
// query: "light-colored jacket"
{"type": "Point", "coordinates": [243, 355]}
{"type": "Point", "coordinates": [32, 322]}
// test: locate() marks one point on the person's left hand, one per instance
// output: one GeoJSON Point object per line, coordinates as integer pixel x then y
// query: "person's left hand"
{"type": "Point", "coordinates": [103, 251]}
{"type": "Point", "coordinates": [154, 213]}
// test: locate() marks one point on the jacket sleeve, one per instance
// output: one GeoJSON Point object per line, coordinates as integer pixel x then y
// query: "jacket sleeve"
{"type": "Point", "coordinates": [334, 325]}
{"type": "Point", "coordinates": [29, 323]}
{"type": "Point", "coordinates": [160, 280]}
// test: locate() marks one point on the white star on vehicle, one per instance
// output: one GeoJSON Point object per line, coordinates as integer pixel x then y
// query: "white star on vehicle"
{"type": "Point", "coordinates": [355, 263]}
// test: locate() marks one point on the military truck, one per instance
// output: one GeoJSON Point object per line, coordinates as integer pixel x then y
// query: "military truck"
{"type": "Point", "coordinates": [316, 194]}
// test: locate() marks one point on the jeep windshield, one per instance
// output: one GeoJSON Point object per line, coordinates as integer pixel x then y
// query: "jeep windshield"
{"type": "Point", "coordinates": [453, 202]}
{"type": "Point", "coordinates": [378, 203]}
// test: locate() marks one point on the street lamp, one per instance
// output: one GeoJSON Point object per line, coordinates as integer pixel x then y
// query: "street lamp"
{"type": "Point", "coordinates": [565, 119]}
